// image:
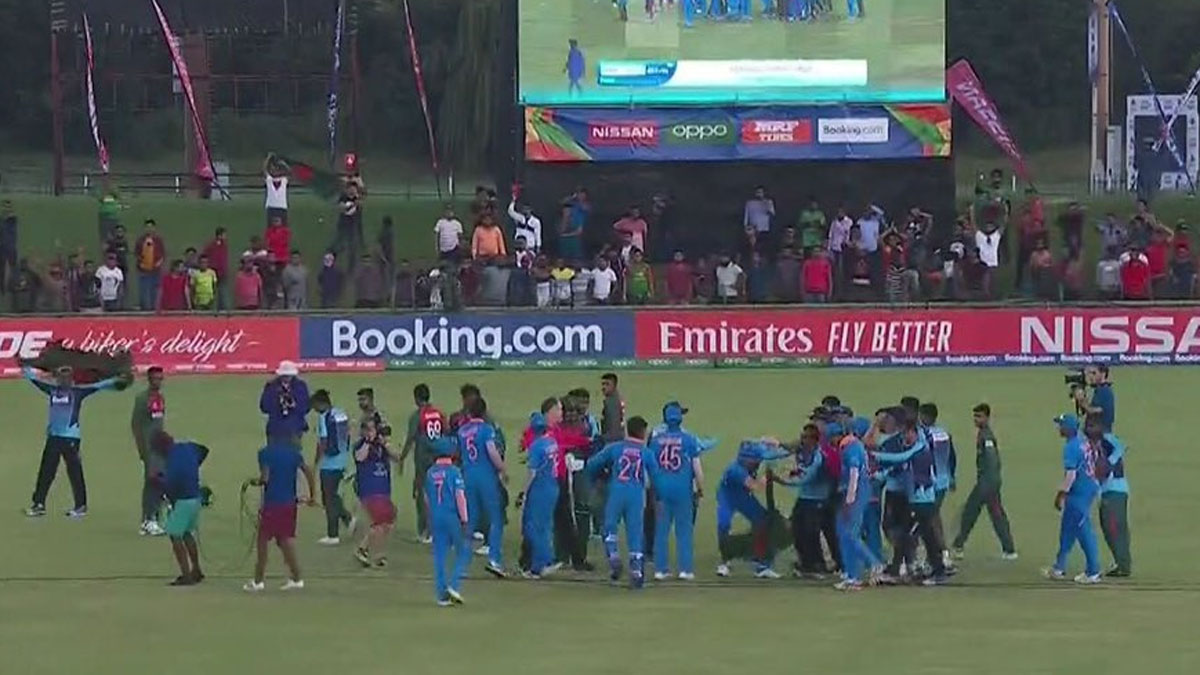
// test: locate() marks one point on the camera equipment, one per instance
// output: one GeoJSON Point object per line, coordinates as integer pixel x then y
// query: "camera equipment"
{"type": "Point", "coordinates": [1075, 380]}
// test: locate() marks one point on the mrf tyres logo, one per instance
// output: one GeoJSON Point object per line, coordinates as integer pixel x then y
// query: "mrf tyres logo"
{"type": "Point", "coordinates": [438, 339]}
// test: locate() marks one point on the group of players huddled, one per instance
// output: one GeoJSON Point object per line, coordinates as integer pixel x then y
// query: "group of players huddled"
{"type": "Point", "coordinates": [743, 10]}
{"type": "Point", "coordinates": [856, 480]}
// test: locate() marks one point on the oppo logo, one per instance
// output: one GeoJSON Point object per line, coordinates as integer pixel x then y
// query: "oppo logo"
{"type": "Point", "coordinates": [717, 132]}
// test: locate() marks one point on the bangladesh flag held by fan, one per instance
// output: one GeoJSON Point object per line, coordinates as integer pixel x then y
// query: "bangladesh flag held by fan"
{"type": "Point", "coordinates": [325, 184]}
{"type": "Point", "coordinates": [88, 367]}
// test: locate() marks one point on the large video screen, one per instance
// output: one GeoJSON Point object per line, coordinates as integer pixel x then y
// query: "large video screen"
{"type": "Point", "coordinates": [663, 52]}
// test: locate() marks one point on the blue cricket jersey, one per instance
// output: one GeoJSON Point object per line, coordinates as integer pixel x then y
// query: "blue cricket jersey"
{"type": "Point", "coordinates": [446, 492]}
{"type": "Point", "coordinates": [542, 457]}
{"type": "Point", "coordinates": [854, 456]}
{"type": "Point", "coordinates": [945, 460]}
{"type": "Point", "coordinates": [920, 476]}
{"type": "Point", "coordinates": [65, 403]}
{"type": "Point", "coordinates": [475, 437]}
{"type": "Point", "coordinates": [1081, 459]}
{"type": "Point", "coordinates": [628, 463]}
{"type": "Point", "coordinates": [182, 472]}
{"type": "Point", "coordinates": [373, 475]}
{"type": "Point", "coordinates": [814, 483]}
{"type": "Point", "coordinates": [733, 481]}
{"type": "Point", "coordinates": [897, 474]}
{"type": "Point", "coordinates": [333, 427]}
{"type": "Point", "coordinates": [1111, 460]}
{"type": "Point", "coordinates": [672, 452]}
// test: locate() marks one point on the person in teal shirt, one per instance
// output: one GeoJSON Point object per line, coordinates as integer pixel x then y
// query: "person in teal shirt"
{"type": "Point", "coordinates": [1114, 493]}
{"type": "Point", "coordinates": [332, 459]}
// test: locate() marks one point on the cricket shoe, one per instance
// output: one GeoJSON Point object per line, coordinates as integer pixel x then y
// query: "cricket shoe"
{"type": "Point", "coordinates": [936, 580]}
{"type": "Point", "coordinates": [292, 585]}
{"type": "Point", "coordinates": [1054, 574]}
{"type": "Point", "coordinates": [848, 585]}
{"type": "Point", "coordinates": [484, 550]}
{"type": "Point", "coordinates": [723, 570]}
{"type": "Point", "coordinates": [1086, 579]}
{"type": "Point", "coordinates": [478, 536]}
{"type": "Point", "coordinates": [767, 573]}
{"type": "Point", "coordinates": [254, 587]}
{"type": "Point", "coordinates": [329, 541]}
{"type": "Point", "coordinates": [425, 539]}
{"type": "Point", "coordinates": [182, 580]}
{"type": "Point", "coordinates": [496, 571]}
{"type": "Point", "coordinates": [151, 528]}
{"type": "Point", "coordinates": [532, 576]}
{"type": "Point", "coordinates": [36, 511]}
{"type": "Point", "coordinates": [1118, 573]}
{"type": "Point", "coordinates": [958, 553]}
{"type": "Point", "coordinates": [77, 513]}
{"type": "Point", "coordinates": [687, 576]}
{"type": "Point", "coordinates": [1010, 556]}
{"type": "Point", "coordinates": [616, 569]}
{"type": "Point", "coordinates": [363, 556]}
{"type": "Point", "coordinates": [886, 579]}
{"type": "Point", "coordinates": [380, 564]}
{"type": "Point", "coordinates": [551, 569]}
{"type": "Point", "coordinates": [636, 580]}
{"type": "Point", "coordinates": [662, 576]}
{"type": "Point", "coordinates": [454, 596]}
{"type": "Point", "coordinates": [444, 602]}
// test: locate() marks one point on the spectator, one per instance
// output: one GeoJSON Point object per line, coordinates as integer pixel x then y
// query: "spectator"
{"type": "Point", "coordinates": [248, 286]}
{"type": "Point", "coordinates": [278, 240]}
{"type": "Point", "coordinates": [484, 202]}
{"type": "Point", "coordinates": [856, 266]}
{"type": "Point", "coordinates": [788, 272]}
{"type": "Point", "coordinates": [1031, 232]}
{"type": "Point", "coordinates": [493, 282]}
{"type": "Point", "coordinates": [523, 257]}
{"type": "Point", "coordinates": [1071, 223]}
{"type": "Point", "coordinates": [899, 278]}
{"type": "Point", "coordinates": [525, 224]}
{"type": "Point", "coordinates": [275, 178]}
{"type": "Point", "coordinates": [206, 286]}
{"type": "Point", "coordinates": [987, 242]}
{"type": "Point", "coordinates": [575, 212]}
{"type": "Point", "coordinates": [295, 282]}
{"type": "Point", "coordinates": [1142, 210]}
{"type": "Point", "coordinates": [369, 283]}
{"type": "Point", "coordinates": [750, 242]}
{"type": "Point", "coordinates": [150, 256]}
{"type": "Point", "coordinates": [8, 243]}
{"type": "Point", "coordinates": [387, 243]}
{"type": "Point", "coordinates": [812, 225]}
{"type": "Point", "coordinates": [174, 294]}
{"type": "Point", "coordinates": [639, 280]}
{"type": "Point", "coordinates": [581, 285]}
{"type": "Point", "coordinates": [976, 277]}
{"type": "Point", "coordinates": [404, 286]}
{"type": "Point", "coordinates": [625, 253]}
{"type": "Point", "coordinates": [1183, 274]}
{"type": "Point", "coordinates": [870, 226]}
{"type": "Point", "coordinates": [1108, 274]}
{"type": "Point", "coordinates": [759, 212]}
{"type": "Point", "coordinates": [542, 280]}
{"type": "Point", "coordinates": [817, 273]}
{"type": "Point", "coordinates": [191, 260]}
{"type": "Point", "coordinates": [56, 295]}
{"type": "Point", "coordinates": [1042, 272]}
{"type": "Point", "coordinates": [1158, 254]}
{"type": "Point", "coordinates": [839, 236]}
{"type": "Point", "coordinates": [450, 288]}
{"type": "Point", "coordinates": [1113, 234]}
{"type": "Point", "coordinates": [1136, 275]}
{"type": "Point", "coordinates": [217, 252]}
{"type": "Point", "coordinates": [329, 281]}
{"type": "Point", "coordinates": [521, 285]}
{"type": "Point", "coordinates": [118, 246]}
{"type": "Point", "coordinates": [272, 285]}
{"type": "Point", "coordinates": [681, 282]}
{"type": "Point", "coordinates": [731, 281]}
{"type": "Point", "coordinates": [74, 273]}
{"type": "Point", "coordinates": [468, 277]}
{"type": "Point", "coordinates": [1072, 279]}
{"type": "Point", "coordinates": [25, 286]}
{"type": "Point", "coordinates": [112, 281]}
{"type": "Point", "coordinates": [561, 276]}
{"type": "Point", "coordinates": [257, 253]}
{"type": "Point", "coordinates": [1182, 237]}
{"type": "Point", "coordinates": [604, 279]}
{"type": "Point", "coordinates": [487, 241]}
{"type": "Point", "coordinates": [87, 289]}
{"type": "Point", "coordinates": [108, 210]}
{"type": "Point", "coordinates": [788, 239]}
{"type": "Point", "coordinates": [758, 279]}
{"type": "Point", "coordinates": [633, 228]}
{"type": "Point", "coordinates": [449, 233]}
{"type": "Point", "coordinates": [349, 226]}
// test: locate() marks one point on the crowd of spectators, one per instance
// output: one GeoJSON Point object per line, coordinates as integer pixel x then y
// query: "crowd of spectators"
{"type": "Point", "coordinates": [508, 258]}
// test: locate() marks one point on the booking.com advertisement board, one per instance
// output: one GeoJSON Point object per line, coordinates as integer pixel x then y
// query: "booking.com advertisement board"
{"type": "Point", "coordinates": [835, 132]}
{"type": "Point", "coordinates": [618, 339]}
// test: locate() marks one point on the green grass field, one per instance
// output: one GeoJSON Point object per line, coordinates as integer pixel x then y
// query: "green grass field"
{"type": "Point", "coordinates": [90, 596]}
{"type": "Point", "coordinates": [903, 43]}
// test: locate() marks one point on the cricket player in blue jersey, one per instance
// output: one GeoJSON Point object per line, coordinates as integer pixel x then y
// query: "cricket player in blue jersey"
{"type": "Point", "coordinates": [62, 436]}
{"type": "Point", "coordinates": [446, 504]}
{"type": "Point", "coordinates": [945, 463]}
{"type": "Point", "coordinates": [677, 479]}
{"type": "Point", "coordinates": [735, 494]}
{"type": "Point", "coordinates": [855, 484]}
{"type": "Point", "coordinates": [541, 496]}
{"type": "Point", "coordinates": [855, 9]}
{"type": "Point", "coordinates": [628, 463]}
{"type": "Point", "coordinates": [884, 437]}
{"type": "Point", "coordinates": [576, 67]}
{"type": "Point", "coordinates": [483, 470]}
{"type": "Point", "coordinates": [921, 495]}
{"type": "Point", "coordinates": [1114, 492]}
{"type": "Point", "coordinates": [717, 8]}
{"type": "Point", "coordinates": [1076, 494]}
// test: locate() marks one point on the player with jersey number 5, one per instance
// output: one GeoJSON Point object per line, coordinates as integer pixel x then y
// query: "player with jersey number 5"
{"type": "Point", "coordinates": [426, 425]}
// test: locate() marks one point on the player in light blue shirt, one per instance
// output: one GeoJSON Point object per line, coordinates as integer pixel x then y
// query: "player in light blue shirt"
{"type": "Point", "coordinates": [1076, 494]}
{"type": "Point", "coordinates": [483, 470]}
{"type": "Point", "coordinates": [541, 495]}
{"type": "Point", "coordinates": [677, 479]}
{"type": "Point", "coordinates": [628, 463]}
{"type": "Point", "coordinates": [62, 436]}
{"type": "Point", "coordinates": [445, 496]}
{"type": "Point", "coordinates": [1114, 492]}
{"type": "Point", "coordinates": [332, 459]}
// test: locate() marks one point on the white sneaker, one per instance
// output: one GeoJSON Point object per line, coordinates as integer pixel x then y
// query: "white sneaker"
{"type": "Point", "coordinates": [550, 569]}
{"type": "Point", "coordinates": [36, 511]}
{"type": "Point", "coordinates": [496, 570]}
{"type": "Point", "coordinates": [958, 554]}
{"type": "Point", "coordinates": [767, 573]}
{"type": "Point", "coordinates": [478, 536]}
{"type": "Point", "coordinates": [425, 540]}
{"type": "Point", "coordinates": [848, 585]}
{"type": "Point", "coordinates": [153, 529]}
{"type": "Point", "coordinates": [1009, 556]}
{"type": "Point", "coordinates": [1087, 579]}
{"type": "Point", "coordinates": [723, 570]}
{"type": "Point", "coordinates": [254, 586]}
{"type": "Point", "coordinates": [661, 576]}
{"type": "Point", "coordinates": [1051, 573]}
{"type": "Point", "coordinates": [76, 514]}
{"type": "Point", "coordinates": [352, 525]}
{"type": "Point", "coordinates": [444, 602]}
{"type": "Point", "coordinates": [454, 596]}
{"type": "Point", "coordinates": [687, 576]}
{"type": "Point", "coordinates": [329, 541]}
{"type": "Point", "coordinates": [293, 585]}
{"type": "Point", "coordinates": [484, 550]}
{"type": "Point", "coordinates": [947, 559]}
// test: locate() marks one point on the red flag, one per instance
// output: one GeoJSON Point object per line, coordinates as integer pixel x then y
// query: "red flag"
{"type": "Point", "coordinates": [420, 76]}
{"type": "Point", "coordinates": [967, 90]}
{"type": "Point", "coordinates": [204, 164]}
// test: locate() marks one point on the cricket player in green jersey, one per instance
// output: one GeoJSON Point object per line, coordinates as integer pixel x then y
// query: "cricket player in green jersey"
{"type": "Point", "coordinates": [987, 488]}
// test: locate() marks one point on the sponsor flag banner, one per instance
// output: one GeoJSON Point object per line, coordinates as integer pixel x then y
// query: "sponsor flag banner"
{"type": "Point", "coordinates": [966, 88]}
{"type": "Point", "coordinates": [209, 344]}
{"type": "Point", "coordinates": [93, 117]}
{"type": "Point", "coordinates": [331, 99]}
{"type": "Point", "coordinates": [721, 134]}
{"type": "Point", "coordinates": [204, 162]}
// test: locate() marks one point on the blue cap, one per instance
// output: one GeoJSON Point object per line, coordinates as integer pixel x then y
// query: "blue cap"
{"type": "Point", "coordinates": [860, 426]}
{"type": "Point", "coordinates": [444, 447]}
{"type": "Point", "coordinates": [673, 412]}
{"type": "Point", "coordinates": [834, 429]}
{"type": "Point", "coordinates": [537, 422]}
{"type": "Point", "coordinates": [1067, 422]}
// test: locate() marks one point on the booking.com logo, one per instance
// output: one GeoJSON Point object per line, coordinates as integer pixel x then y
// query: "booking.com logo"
{"type": "Point", "coordinates": [440, 339]}
{"type": "Point", "coordinates": [700, 133]}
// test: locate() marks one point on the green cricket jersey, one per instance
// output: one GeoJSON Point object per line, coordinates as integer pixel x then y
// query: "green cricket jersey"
{"type": "Point", "coordinates": [987, 458]}
{"type": "Point", "coordinates": [149, 416]}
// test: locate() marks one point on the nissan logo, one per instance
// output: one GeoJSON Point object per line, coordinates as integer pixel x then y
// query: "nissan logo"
{"type": "Point", "coordinates": [699, 132]}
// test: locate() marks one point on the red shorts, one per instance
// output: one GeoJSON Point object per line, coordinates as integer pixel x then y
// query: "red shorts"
{"type": "Point", "coordinates": [381, 509]}
{"type": "Point", "coordinates": [277, 521]}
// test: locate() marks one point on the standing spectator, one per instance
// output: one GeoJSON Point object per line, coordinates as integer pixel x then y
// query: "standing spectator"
{"type": "Point", "coordinates": [987, 242]}
{"type": "Point", "coordinates": [487, 241]}
{"type": "Point", "coordinates": [8, 243]}
{"type": "Point", "coordinates": [639, 280]}
{"type": "Point", "coordinates": [575, 212]}
{"type": "Point", "coordinates": [976, 276]}
{"type": "Point", "coordinates": [561, 277]}
{"type": "Point", "coordinates": [898, 280]}
{"type": "Point", "coordinates": [731, 281]}
{"type": "Point", "coordinates": [484, 202]}
{"type": "Point", "coordinates": [526, 225]}
{"type": "Point", "coordinates": [788, 270]}
{"type": "Point", "coordinates": [206, 286]}
{"type": "Point", "coordinates": [295, 282]}
{"type": "Point", "coordinates": [758, 279]}
{"type": "Point", "coordinates": [493, 283]}
{"type": "Point", "coordinates": [704, 280]}
{"type": "Point", "coordinates": [349, 225]}
{"type": "Point", "coordinates": [542, 280]}
{"type": "Point", "coordinates": [272, 285]}
{"type": "Point", "coordinates": [788, 239]}
{"type": "Point", "coordinates": [839, 236]}
{"type": "Point", "coordinates": [759, 213]}
{"type": "Point", "coordinates": [1113, 234]}
{"type": "Point", "coordinates": [247, 287]}
{"type": "Point", "coordinates": [1071, 224]}
{"type": "Point", "coordinates": [1135, 275]}
{"type": "Point", "coordinates": [112, 283]}
{"type": "Point", "coordinates": [108, 210]}
{"type": "Point", "coordinates": [751, 242]}
{"type": "Point", "coordinates": [278, 240]}
{"type": "Point", "coordinates": [387, 244]}
{"type": "Point", "coordinates": [275, 177]}
{"type": "Point", "coordinates": [1031, 231]}
{"type": "Point", "coordinates": [1041, 272]}
{"type": "Point", "coordinates": [56, 296]}
{"type": "Point", "coordinates": [1183, 274]}
{"type": "Point", "coordinates": [329, 281]}
{"type": "Point", "coordinates": [634, 227]}
{"type": "Point", "coordinates": [25, 286]}
{"type": "Point", "coordinates": [869, 227]}
{"type": "Point", "coordinates": [812, 225]}
{"type": "Point", "coordinates": [579, 285]}
{"type": "Point", "coordinates": [856, 266]}
{"type": "Point", "coordinates": [1072, 279]}
{"type": "Point", "coordinates": [118, 246]}
{"type": "Point", "coordinates": [449, 233]}
{"type": "Point", "coordinates": [74, 274]}
{"type": "Point", "coordinates": [681, 283]}
{"type": "Point", "coordinates": [1141, 209]}
{"type": "Point", "coordinates": [915, 235]}
{"type": "Point", "coordinates": [88, 289]}
{"type": "Point", "coordinates": [1158, 253]}
{"type": "Point", "coordinates": [1182, 237]}
{"type": "Point", "coordinates": [1108, 274]}
{"type": "Point", "coordinates": [521, 290]}
{"type": "Point", "coordinates": [818, 277]}
{"type": "Point", "coordinates": [624, 253]}
{"type": "Point", "coordinates": [370, 283]}
{"type": "Point", "coordinates": [191, 260]}
{"type": "Point", "coordinates": [151, 254]}
{"type": "Point", "coordinates": [174, 294]}
{"type": "Point", "coordinates": [604, 279]}
{"type": "Point", "coordinates": [217, 252]}
{"type": "Point", "coordinates": [404, 289]}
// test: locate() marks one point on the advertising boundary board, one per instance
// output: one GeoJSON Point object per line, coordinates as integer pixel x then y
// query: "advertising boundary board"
{"type": "Point", "coordinates": [840, 337]}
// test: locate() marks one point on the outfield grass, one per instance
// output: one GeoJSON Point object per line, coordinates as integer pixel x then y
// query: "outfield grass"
{"type": "Point", "coordinates": [903, 43]}
{"type": "Point", "coordinates": [90, 596]}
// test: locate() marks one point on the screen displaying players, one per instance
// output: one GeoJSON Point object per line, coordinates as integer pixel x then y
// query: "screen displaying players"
{"type": "Point", "coordinates": [662, 52]}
